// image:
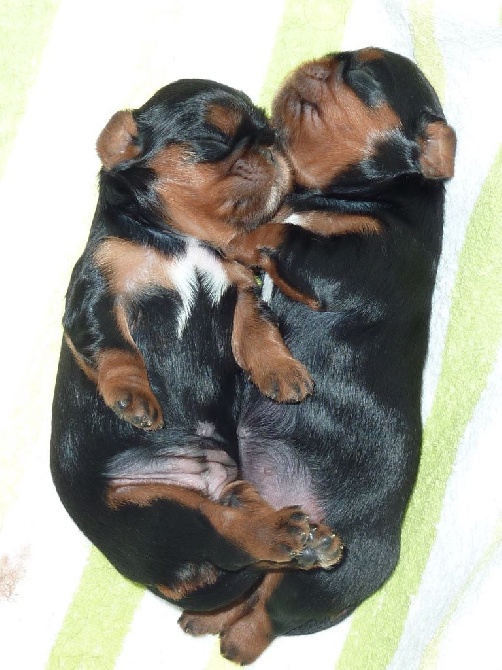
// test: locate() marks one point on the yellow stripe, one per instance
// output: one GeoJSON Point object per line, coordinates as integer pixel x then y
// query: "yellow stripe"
{"type": "Point", "coordinates": [91, 642]}
{"type": "Point", "coordinates": [24, 29]}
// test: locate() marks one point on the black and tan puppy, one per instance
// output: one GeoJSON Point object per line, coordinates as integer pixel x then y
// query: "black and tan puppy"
{"type": "Point", "coordinates": [370, 150]}
{"type": "Point", "coordinates": [153, 320]}
{"type": "Point", "coordinates": [194, 163]}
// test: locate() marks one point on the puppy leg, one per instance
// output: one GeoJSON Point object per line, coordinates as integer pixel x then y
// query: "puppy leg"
{"type": "Point", "coordinates": [245, 628]}
{"type": "Point", "coordinates": [97, 329]}
{"type": "Point", "coordinates": [323, 549]}
{"type": "Point", "coordinates": [122, 380]}
{"type": "Point", "coordinates": [258, 346]}
{"type": "Point", "coordinates": [259, 349]}
{"type": "Point", "coordinates": [329, 224]}
{"type": "Point", "coordinates": [216, 621]}
{"type": "Point", "coordinates": [259, 533]}
{"type": "Point", "coordinates": [253, 249]}
{"type": "Point", "coordinates": [123, 383]}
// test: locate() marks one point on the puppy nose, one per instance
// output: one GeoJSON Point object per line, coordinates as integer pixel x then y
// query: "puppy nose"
{"type": "Point", "coordinates": [318, 70]}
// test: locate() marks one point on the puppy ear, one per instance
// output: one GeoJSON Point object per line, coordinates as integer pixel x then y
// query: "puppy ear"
{"type": "Point", "coordinates": [117, 141]}
{"type": "Point", "coordinates": [437, 144]}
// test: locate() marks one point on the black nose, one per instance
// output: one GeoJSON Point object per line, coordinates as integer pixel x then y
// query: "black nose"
{"type": "Point", "coordinates": [319, 71]}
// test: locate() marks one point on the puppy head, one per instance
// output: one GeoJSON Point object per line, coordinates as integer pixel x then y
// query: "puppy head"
{"type": "Point", "coordinates": [210, 153]}
{"type": "Point", "coordinates": [366, 114]}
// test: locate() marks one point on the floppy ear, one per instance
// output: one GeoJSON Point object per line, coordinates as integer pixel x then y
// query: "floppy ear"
{"type": "Point", "coordinates": [117, 141]}
{"type": "Point", "coordinates": [437, 144]}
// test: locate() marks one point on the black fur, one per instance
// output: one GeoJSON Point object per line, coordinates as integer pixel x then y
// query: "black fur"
{"type": "Point", "coordinates": [357, 438]}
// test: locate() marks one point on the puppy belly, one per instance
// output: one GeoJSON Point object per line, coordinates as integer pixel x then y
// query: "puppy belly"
{"type": "Point", "coordinates": [275, 471]}
{"type": "Point", "coordinates": [204, 470]}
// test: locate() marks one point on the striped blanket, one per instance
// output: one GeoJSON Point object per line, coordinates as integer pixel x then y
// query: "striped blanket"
{"type": "Point", "coordinates": [66, 66]}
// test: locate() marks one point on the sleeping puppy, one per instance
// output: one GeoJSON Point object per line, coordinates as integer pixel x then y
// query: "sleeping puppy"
{"type": "Point", "coordinates": [153, 320]}
{"type": "Point", "coordinates": [370, 150]}
{"type": "Point", "coordinates": [196, 162]}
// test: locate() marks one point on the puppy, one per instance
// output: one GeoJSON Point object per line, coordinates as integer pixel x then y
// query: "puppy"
{"type": "Point", "coordinates": [154, 321]}
{"type": "Point", "coordinates": [195, 162]}
{"type": "Point", "coordinates": [370, 150]}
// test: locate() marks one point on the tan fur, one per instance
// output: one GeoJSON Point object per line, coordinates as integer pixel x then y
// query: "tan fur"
{"type": "Point", "coordinates": [211, 201]}
{"type": "Point", "coordinates": [193, 578]}
{"type": "Point", "coordinates": [329, 223]}
{"type": "Point", "coordinates": [225, 119]}
{"type": "Point", "coordinates": [277, 374]}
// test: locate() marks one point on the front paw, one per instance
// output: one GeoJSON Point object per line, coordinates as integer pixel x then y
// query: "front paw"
{"type": "Point", "coordinates": [285, 381]}
{"type": "Point", "coordinates": [323, 549]}
{"type": "Point", "coordinates": [282, 534]}
{"type": "Point", "coordinates": [140, 408]}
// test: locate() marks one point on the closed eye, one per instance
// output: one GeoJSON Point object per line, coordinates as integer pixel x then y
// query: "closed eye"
{"type": "Point", "coordinates": [211, 150]}
{"type": "Point", "coordinates": [309, 110]}
{"type": "Point", "coordinates": [307, 105]}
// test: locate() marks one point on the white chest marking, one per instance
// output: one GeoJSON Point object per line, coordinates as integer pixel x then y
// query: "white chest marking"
{"type": "Point", "coordinates": [294, 219]}
{"type": "Point", "coordinates": [266, 289]}
{"type": "Point", "coordinates": [197, 269]}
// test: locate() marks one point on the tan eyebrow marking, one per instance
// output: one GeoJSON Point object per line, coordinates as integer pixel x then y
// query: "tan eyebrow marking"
{"type": "Point", "coordinates": [225, 119]}
{"type": "Point", "coordinates": [369, 54]}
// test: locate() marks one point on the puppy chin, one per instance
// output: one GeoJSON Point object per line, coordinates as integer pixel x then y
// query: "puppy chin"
{"type": "Point", "coordinates": [276, 196]}
{"type": "Point", "coordinates": [262, 207]}
{"type": "Point", "coordinates": [286, 119]}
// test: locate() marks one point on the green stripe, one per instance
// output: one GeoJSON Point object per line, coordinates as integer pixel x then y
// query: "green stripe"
{"type": "Point", "coordinates": [24, 30]}
{"type": "Point", "coordinates": [98, 619]}
{"type": "Point", "coordinates": [309, 29]}
{"type": "Point", "coordinates": [472, 340]}
{"type": "Point", "coordinates": [426, 50]}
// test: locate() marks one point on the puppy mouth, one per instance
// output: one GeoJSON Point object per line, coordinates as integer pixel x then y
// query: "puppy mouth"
{"type": "Point", "coordinates": [261, 208]}
{"type": "Point", "coordinates": [267, 192]}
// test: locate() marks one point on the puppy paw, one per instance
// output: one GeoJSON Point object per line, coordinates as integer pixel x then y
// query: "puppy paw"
{"type": "Point", "coordinates": [323, 549]}
{"type": "Point", "coordinates": [287, 531]}
{"type": "Point", "coordinates": [198, 624]}
{"type": "Point", "coordinates": [285, 381]}
{"type": "Point", "coordinates": [247, 639]}
{"type": "Point", "coordinates": [139, 408]}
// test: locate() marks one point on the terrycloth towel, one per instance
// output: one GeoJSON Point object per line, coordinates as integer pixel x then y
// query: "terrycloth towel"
{"type": "Point", "coordinates": [66, 66]}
